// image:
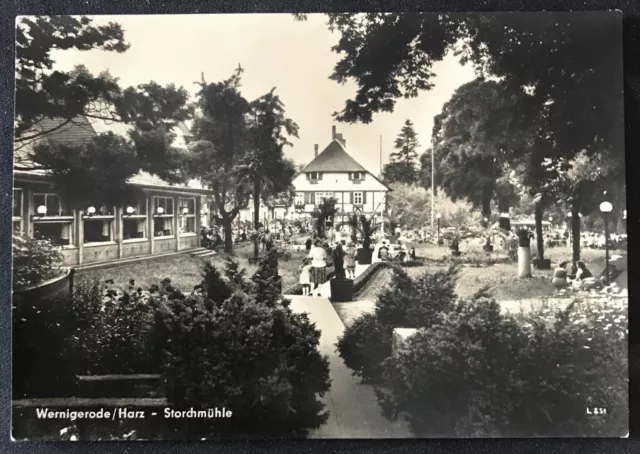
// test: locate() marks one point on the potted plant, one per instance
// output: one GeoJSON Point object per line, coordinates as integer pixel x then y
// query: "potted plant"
{"type": "Point", "coordinates": [366, 229]}
{"type": "Point", "coordinates": [38, 273]}
{"type": "Point", "coordinates": [524, 252]}
{"type": "Point", "coordinates": [341, 287]}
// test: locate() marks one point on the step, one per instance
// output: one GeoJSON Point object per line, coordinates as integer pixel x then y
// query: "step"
{"type": "Point", "coordinates": [202, 252]}
{"type": "Point", "coordinates": [206, 254]}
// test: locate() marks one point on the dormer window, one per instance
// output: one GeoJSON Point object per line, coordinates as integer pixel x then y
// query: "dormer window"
{"type": "Point", "coordinates": [314, 177]}
{"type": "Point", "coordinates": [356, 177]}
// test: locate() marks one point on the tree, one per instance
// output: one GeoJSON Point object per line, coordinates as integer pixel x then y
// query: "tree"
{"type": "Point", "coordinates": [42, 92]}
{"type": "Point", "coordinates": [407, 145]}
{"type": "Point", "coordinates": [49, 100]}
{"type": "Point", "coordinates": [324, 213]}
{"type": "Point", "coordinates": [269, 171]}
{"type": "Point", "coordinates": [581, 181]}
{"type": "Point", "coordinates": [571, 75]}
{"type": "Point", "coordinates": [411, 207]}
{"type": "Point", "coordinates": [399, 172]}
{"type": "Point", "coordinates": [220, 148]}
{"type": "Point", "coordinates": [476, 137]}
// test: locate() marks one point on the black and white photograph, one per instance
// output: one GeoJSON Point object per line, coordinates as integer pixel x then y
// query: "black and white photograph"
{"type": "Point", "coordinates": [339, 225]}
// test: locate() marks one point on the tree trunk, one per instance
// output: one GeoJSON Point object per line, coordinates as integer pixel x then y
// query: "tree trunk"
{"type": "Point", "coordinates": [503, 207]}
{"type": "Point", "coordinates": [256, 216]}
{"type": "Point", "coordinates": [227, 222]}
{"type": "Point", "coordinates": [486, 206]}
{"type": "Point", "coordinates": [575, 235]}
{"type": "Point", "coordinates": [539, 237]}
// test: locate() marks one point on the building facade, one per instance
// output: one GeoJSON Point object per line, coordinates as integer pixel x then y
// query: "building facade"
{"type": "Point", "coordinates": [166, 218]}
{"type": "Point", "coordinates": [333, 173]}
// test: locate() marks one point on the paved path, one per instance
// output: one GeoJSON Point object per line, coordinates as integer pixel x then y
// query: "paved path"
{"type": "Point", "coordinates": [353, 408]}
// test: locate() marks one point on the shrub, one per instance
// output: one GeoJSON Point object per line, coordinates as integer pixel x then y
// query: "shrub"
{"type": "Point", "coordinates": [114, 329]}
{"type": "Point", "coordinates": [43, 358]}
{"type": "Point", "coordinates": [34, 261]}
{"type": "Point", "coordinates": [364, 345]}
{"type": "Point", "coordinates": [417, 303]}
{"type": "Point", "coordinates": [405, 303]}
{"type": "Point", "coordinates": [478, 373]}
{"type": "Point", "coordinates": [248, 353]}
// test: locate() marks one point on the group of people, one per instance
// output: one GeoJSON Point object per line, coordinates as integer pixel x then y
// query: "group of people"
{"type": "Point", "coordinates": [313, 271]}
{"type": "Point", "coordinates": [583, 277]}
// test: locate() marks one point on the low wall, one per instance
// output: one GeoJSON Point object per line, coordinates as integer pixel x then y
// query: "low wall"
{"type": "Point", "coordinates": [164, 245]}
{"type": "Point", "coordinates": [93, 254]}
{"type": "Point", "coordinates": [136, 248]}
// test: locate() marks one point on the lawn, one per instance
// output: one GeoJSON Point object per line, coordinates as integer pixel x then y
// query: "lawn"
{"type": "Point", "coordinates": [185, 271]}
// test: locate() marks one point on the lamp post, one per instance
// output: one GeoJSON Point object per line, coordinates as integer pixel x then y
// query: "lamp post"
{"type": "Point", "coordinates": [438, 216]}
{"type": "Point", "coordinates": [605, 208]}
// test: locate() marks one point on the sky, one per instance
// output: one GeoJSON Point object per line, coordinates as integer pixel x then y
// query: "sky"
{"type": "Point", "coordinates": [275, 51]}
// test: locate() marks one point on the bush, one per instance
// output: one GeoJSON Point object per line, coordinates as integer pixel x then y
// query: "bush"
{"type": "Point", "coordinates": [34, 261]}
{"type": "Point", "coordinates": [114, 329]}
{"type": "Point", "coordinates": [364, 346]}
{"type": "Point", "coordinates": [478, 373]}
{"type": "Point", "coordinates": [419, 302]}
{"type": "Point", "coordinates": [43, 357]}
{"type": "Point", "coordinates": [248, 353]}
{"type": "Point", "coordinates": [406, 303]}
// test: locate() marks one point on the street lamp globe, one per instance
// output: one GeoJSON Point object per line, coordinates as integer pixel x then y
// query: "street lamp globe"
{"type": "Point", "coordinates": [160, 210]}
{"type": "Point", "coordinates": [438, 216]}
{"type": "Point", "coordinates": [130, 210]}
{"type": "Point", "coordinates": [91, 210]}
{"type": "Point", "coordinates": [606, 207]}
{"type": "Point", "coordinates": [42, 210]}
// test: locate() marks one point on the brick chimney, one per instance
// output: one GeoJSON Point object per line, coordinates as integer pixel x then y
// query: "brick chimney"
{"type": "Point", "coordinates": [333, 132]}
{"type": "Point", "coordinates": [315, 149]}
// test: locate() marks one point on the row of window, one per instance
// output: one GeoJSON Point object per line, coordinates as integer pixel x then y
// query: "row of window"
{"type": "Point", "coordinates": [311, 198]}
{"type": "Point", "coordinates": [356, 177]}
{"type": "Point", "coordinates": [54, 221]}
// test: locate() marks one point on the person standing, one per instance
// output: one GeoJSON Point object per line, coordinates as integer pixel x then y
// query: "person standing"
{"type": "Point", "coordinates": [350, 260]}
{"type": "Point", "coordinates": [305, 276]}
{"type": "Point", "coordinates": [318, 256]}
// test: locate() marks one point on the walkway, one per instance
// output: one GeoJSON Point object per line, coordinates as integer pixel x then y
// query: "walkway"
{"type": "Point", "coordinates": [354, 411]}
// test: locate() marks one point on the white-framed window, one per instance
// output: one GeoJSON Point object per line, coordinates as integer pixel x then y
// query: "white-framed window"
{"type": "Point", "coordinates": [163, 216]}
{"type": "Point", "coordinates": [16, 215]}
{"type": "Point", "coordinates": [299, 198]}
{"type": "Point", "coordinates": [323, 195]}
{"type": "Point", "coordinates": [99, 226]}
{"type": "Point", "coordinates": [134, 221]}
{"type": "Point", "coordinates": [356, 177]}
{"type": "Point", "coordinates": [357, 198]}
{"type": "Point", "coordinates": [187, 212]}
{"type": "Point", "coordinates": [314, 177]}
{"type": "Point", "coordinates": [52, 220]}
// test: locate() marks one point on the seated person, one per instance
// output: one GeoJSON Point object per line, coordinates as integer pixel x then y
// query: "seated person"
{"type": "Point", "coordinates": [559, 280]}
{"type": "Point", "coordinates": [583, 272]}
{"type": "Point", "coordinates": [402, 252]}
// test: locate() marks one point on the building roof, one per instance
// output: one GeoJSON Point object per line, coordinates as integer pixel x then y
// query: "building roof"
{"type": "Point", "coordinates": [334, 158]}
{"type": "Point", "coordinates": [80, 131]}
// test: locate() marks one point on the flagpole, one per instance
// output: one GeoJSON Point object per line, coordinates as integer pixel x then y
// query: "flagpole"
{"type": "Point", "coordinates": [433, 173]}
{"type": "Point", "coordinates": [381, 196]}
